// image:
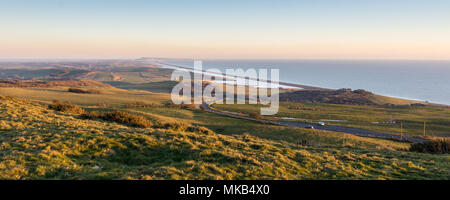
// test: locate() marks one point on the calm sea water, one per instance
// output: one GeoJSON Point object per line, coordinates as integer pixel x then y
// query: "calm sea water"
{"type": "Point", "coordinates": [418, 80]}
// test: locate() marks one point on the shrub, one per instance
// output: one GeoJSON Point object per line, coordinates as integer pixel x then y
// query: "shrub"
{"type": "Point", "coordinates": [102, 105]}
{"type": "Point", "coordinates": [84, 91]}
{"type": "Point", "coordinates": [66, 107]}
{"type": "Point", "coordinates": [140, 104]}
{"type": "Point", "coordinates": [433, 146]}
{"type": "Point", "coordinates": [181, 126]}
{"type": "Point", "coordinates": [170, 104]}
{"type": "Point", "coordinates": [120, 117]}
{"type": "Point", "coordinates": [255, 115]}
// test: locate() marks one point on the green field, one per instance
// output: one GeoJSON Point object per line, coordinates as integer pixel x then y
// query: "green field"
{"type": "Point", "coordinates": [368, 117]}
{"type": "Point", "coordinates": [164, 86]}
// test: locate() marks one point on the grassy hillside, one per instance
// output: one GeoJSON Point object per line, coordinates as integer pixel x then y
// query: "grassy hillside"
{"type": "Point", "coordinates": [38, 143]}
{"type": "Point", "coordinates": [41, 74]}
{"type": "Point", "coordinates": [231, 126]}
{"type": "Point", "coordinates": [113, 98]}
{"type": "Point", "coordinates": [184, 142]}
{"type": "Point", "coordinates": [44, 84]}
{"type": "Point", "coordinates": [105, 70]}
{"type": "Point", "coordinates": [109, 96]}
{"type": "Point", "coordinates": [382, 100]}
{"type": "Point", "coordinates": [341, 96]}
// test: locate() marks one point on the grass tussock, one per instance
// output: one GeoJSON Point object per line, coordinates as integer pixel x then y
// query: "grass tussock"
{"type": "Point", "coordinates": [66, 107]}
{"type": "Point", "coordinates": [120, 117]}
{"type": "Point", "coordinates": [84, 91]}
{"type": "Point", "coordinates": [438, 146]}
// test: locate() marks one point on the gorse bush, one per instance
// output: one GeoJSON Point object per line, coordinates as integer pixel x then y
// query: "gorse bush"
{"type": "Point", "coordinates": [433, 146]}
{"type": "Point", "coordinates": [120, 117]}
{"type": "Point", "coordinates": [85, 91]}
{"type": "Point", "coordinates": [66, 107]}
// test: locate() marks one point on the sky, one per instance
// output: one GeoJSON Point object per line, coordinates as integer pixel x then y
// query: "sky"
{"type": "Point", "coordinates": [232, 29]}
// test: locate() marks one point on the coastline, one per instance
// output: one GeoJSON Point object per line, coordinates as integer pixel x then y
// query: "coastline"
{"type": "Point", "coordinates": [289, 85]}
{"type": "Point", "coordinates": [280, 83]}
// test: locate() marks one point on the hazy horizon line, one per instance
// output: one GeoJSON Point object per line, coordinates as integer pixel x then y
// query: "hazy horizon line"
{"type": "Point", "coordinates": [251, 58]}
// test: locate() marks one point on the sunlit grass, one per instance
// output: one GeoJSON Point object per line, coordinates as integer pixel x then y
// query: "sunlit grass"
{"type": "Point", "coordinates": [37, 143]}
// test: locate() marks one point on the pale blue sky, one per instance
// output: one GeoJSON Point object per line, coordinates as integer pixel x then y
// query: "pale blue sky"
{"type": "Point", "coordinates": [392, 29]}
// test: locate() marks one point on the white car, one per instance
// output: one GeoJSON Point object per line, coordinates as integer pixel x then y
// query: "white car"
{"type": "Point", "coordinates": [321, 123]}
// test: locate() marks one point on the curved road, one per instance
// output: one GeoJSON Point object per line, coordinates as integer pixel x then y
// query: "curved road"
{"type": "Point", "coordinates": [343, 129]}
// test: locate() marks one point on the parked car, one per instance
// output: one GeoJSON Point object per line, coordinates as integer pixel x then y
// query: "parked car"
{"type": "Point", "coordinates": [309, 127]}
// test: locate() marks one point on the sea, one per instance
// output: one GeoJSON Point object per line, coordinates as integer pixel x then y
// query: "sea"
{"type": "Point", "coordinates": [427, 81]}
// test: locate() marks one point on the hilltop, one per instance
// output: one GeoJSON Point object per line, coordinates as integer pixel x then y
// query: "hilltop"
{"type": "Point", "coordinates": [105, 70]}
{"type": "Point", "coordinates": [43, 84]}
{"type": "Point", "coordinates": [342, 96]}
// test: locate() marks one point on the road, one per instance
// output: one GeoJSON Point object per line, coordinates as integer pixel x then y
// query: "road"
{"type": "Point", "coordinates": [343, 129]}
